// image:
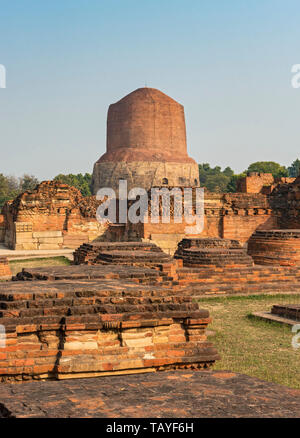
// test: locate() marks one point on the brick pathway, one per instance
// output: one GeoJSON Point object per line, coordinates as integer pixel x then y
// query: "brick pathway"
{"type": "Point", "coordinates": [163, 394]}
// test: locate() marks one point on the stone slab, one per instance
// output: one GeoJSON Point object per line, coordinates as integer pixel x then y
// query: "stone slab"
{"type": "Point", "coordinates": [269, 317]}
{"type": "Point", "coordinates": [50, 240]}
{"type": "Point", "coordinates": [47, 234]}
{"type": "Point", "coordinates": [49, 246]}
{"type": "Point", "coordinates": [26, 246]}
{"type": "Point", "coordinates": [12, 254]}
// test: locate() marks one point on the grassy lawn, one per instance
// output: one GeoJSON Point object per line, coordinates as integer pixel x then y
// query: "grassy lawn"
{"type": "Point", "coordinates": [250, 346]}
{"type": "Point", "coordinates": [17, 265]}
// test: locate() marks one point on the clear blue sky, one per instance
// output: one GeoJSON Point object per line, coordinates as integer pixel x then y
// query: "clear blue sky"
{"type": "Point", "coordinates": [227, 62]}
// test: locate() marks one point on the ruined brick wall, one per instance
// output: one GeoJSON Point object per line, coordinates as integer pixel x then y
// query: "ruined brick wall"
{"type": "Point", "coordinates": [242, 214]}
{"type": "Point", "coordinates": [254, 182]}
{"type": "Point", "coordinates": [240, 226]}
{"type": "Point", "coordinates": [55, 216]}
{"type": "Point", "coordinates": [5, 272]}
{"type": "Point", "coordinates": [74, 329]}
{"type": "Point", "coordinates": [229, 215]}
{"type": "Point", "coordinates": [285, 202]}
{"type": "Point", "coordinates": [264, 183]}
{"type": "Point", "coordinates": [52, 216]}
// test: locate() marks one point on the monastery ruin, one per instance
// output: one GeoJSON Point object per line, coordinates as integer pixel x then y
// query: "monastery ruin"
{"type": "Point", "coordinates": [146, 146]}
{"type": "Point", "coordinates": [128, 304]}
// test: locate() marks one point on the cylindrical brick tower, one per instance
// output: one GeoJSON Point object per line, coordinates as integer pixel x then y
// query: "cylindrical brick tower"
{"type": "Point", "coordinates": [146, 144]}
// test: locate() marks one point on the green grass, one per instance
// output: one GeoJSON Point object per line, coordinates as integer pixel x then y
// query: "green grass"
{"type": "Point", "coordinates": [250, 346]}
{"type": "Point", "coordinates": [17, 265]}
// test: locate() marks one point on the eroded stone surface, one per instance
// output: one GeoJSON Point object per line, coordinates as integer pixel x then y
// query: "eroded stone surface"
{"type": "Point", "coordinates": [176, 394]}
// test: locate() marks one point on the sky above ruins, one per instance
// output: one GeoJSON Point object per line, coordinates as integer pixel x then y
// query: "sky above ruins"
{"type": "Point", "coordinates": [229, 63]}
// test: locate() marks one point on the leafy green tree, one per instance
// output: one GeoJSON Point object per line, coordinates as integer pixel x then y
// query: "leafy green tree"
{"type": "Point", "coordinates": [217, 183]}
{"type": "Point", "coordinates": [276, 169]}
{"type": "Point", "coordinates": [4, 189]}
{"type": "Point", "coordinates": [294, 168]}
{"type": "Point", "coordinates": [228, 171]}
{"type": "Point", "coordinates": [213, 178]}
{"type": "Point", "coordinates": [204, 171]}
{"type": "Point", "coordinates": [80, 181]}
{"type": "Point", "coordinates": [9, 188]}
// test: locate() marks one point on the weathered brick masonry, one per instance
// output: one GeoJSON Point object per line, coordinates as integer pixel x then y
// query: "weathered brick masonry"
{"type": "Point", "coordinates": [56, 216]}
{"type": "Point", "coordinates": [84, 328]}
{"type": "Point", "coordinates": [146, 144]}
{"type": "Point", "coordinates": [5, 271]}
{"type": "Point", "coordinates": [53, 216]}
{"type": "Point", "coordinates": [101, 317]}
{"type": "Point", "coordinates": [212, 252]}
{"type": "Point", "coordinates": [129, 253]}
{"type": "Point", "coordinates": [285, 203]}
{"type": "Point", "coordinates": [275, 247]}
{"type": "Point", "coordinates": [228, 215]}
{"type": "Point", "coordinates": [126, 306]}
{"type": "Point", "coordinates": [205, 266]}
{"type": "Point", "coordinates": [256, 182]}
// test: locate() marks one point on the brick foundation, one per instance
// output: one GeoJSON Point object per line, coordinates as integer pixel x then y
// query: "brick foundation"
{"type": "Point", "coordinates": [275, 247]}
{"type": "Point", "coordinates": [129, 253]}
{"type": "Point", "coordinates": [212, 251]}
{"type": "Point", "coordinates": [61, 330]}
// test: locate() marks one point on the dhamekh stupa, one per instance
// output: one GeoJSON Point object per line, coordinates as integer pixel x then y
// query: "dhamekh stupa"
{"type": "Point", "coordinates": [146, 144]}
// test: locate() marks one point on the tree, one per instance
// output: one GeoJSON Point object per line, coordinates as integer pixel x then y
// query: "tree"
{"type": "Point", "coordinates": [4, 189]}
{"type": "Point", "coordinates": [294, 169]}
{"type": "Point", "coordinates": [232, 185]}
{"type": "Point", "coordinates": [228, 171]}
{"type": "Point", "coordinates": [81, 182]}
{"type": "Point", "coordinates": [204, 171]}
{"type": "Point", "coordinates": [276, 169]}
{"type": "Point", "coordinates": [28, 183]}
{"type": "Point", "coordinates": [213, 178]}
{"type": "Point", "coordinates": [217, 183]}
{"type": "Point", "coordinates": [11, 186]}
